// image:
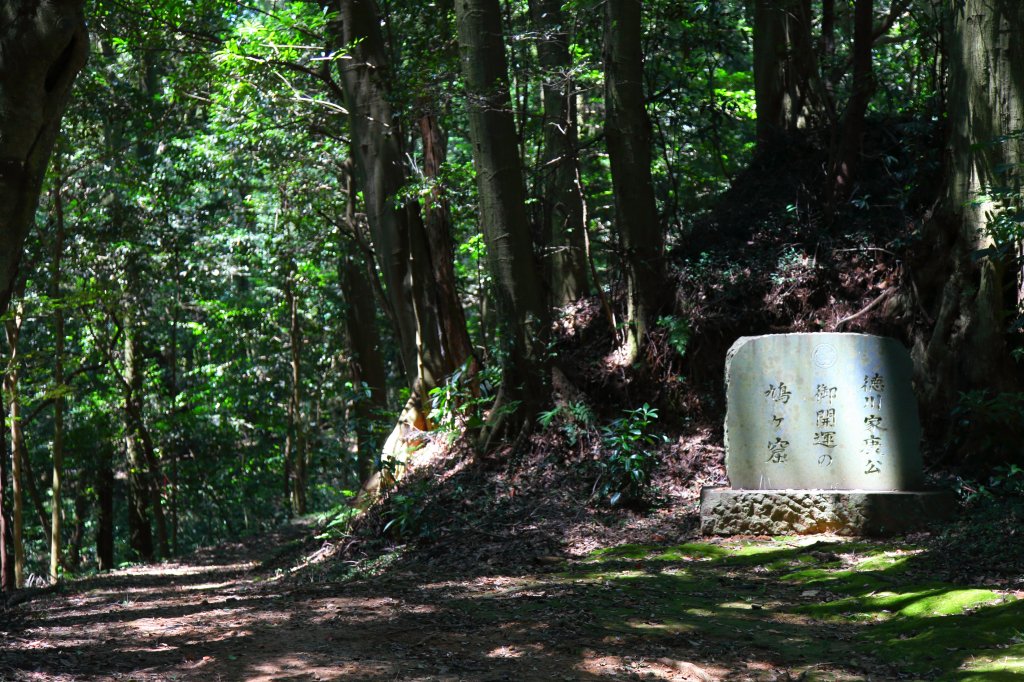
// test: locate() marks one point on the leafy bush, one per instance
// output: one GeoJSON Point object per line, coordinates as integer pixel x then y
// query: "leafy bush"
{"type": "Point", "coordinates": [404, 511]}
{"type": "Point", "coordinates": [458, 404]}
{"type": "Point", "coordinates": [1005, 481]}
{"type": "Point", "coordinates": [678, 329]}
{"type": "Point", "coordinates": [626, 468]}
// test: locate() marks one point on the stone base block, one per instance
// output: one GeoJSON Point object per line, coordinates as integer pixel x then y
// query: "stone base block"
{"type": "Point", "coordinates": [725, 511]}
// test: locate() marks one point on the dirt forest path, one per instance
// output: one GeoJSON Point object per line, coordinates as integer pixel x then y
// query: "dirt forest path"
{"type": "Point", "coordinates": [221, 616]}
{"type": "Point", "coordinates": [817, 608]}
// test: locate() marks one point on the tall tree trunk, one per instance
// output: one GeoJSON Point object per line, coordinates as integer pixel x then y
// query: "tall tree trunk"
{"type": "Point", "coordinates": [140, 532]}
{"type": "Point", "coordinates": [19, 452]}
{"type": "Point", "coordinates": [32, 487]}
{"type": "Point", "coordinates": [367, 363]}
{"type": "Point", "coordinates": [438, 225]}
{"type": "Point", "coordinates": [76, 536]}
{"type": "Point", "coordinates": [43, 45]}
{"type": "Point", "coordinates": [962, 275]}
{"type": "Point", "coordinates": [561, 201]}
{"type": "Point", "coordinates": [58, 381]}
{"type": "Point", "coordinates": [628, 132]}
{"type": "Point", "coordinates": [522, 317]}
{"type": "Point", "coordinates": [846, 150]}
{"type": "Point", "coordinates": [784, 67]}
{"type": "Point", "coordinates": [396, 225]}
{"type": "Point", "coordinates": [6, 533]}
{"type": "Point", "coordinates": [104, 483]}
{"type": "Point", "coordinates": [174, 390]}
{"type": "Point", "coordinates": [295, 443]}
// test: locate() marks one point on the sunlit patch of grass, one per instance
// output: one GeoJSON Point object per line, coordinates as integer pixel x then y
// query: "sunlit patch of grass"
{"type": "Point", "coordinates": [636, 552]}
{"type": "Point", "coordinates": [1006, 666]}
{"type": "Point", "coordinates": [870, 613]}
{"type": "Point", "coordinates": [917, 602]}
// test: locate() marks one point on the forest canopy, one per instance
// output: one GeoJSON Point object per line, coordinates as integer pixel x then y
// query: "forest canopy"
{"type": "Point", "coordinates": [252, 255]}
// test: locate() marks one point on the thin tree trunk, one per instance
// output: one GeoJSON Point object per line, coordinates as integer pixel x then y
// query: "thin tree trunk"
{"type": "Point", "coordinates": [6, 534]}
{"type": "Point", "coordinates": [76, 536]}
{"type": "Point", "coordinates": [154, 475]}
{"type": "Point", "coordinates": [522, 317]}
{"type": "Point", "coordinates": [18, 450]}
{"type": "Point", "coordinates": [105, 503]}
{"type": "Point", "coordinates": [175, 390]}
{"type": "Point", "coordinates": [295, 445]}
{"type": "Point", "coordinates": [438, 225]}
{"type": "Point", "coordinates": [32, 487]}
{"type": "Point", "coordinates": [628, 132]}
{"type": "Point", "coordinates": [367, 363]}
{"type": "Point", "coordinates": [58, 383]}
{"type": "Point", "coordinates": [140, 532]}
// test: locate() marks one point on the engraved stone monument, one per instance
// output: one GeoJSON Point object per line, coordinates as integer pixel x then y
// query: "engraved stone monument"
{"type": "Point", "coordinates": [821, 435]}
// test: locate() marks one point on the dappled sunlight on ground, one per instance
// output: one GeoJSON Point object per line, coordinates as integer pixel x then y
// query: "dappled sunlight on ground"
{"type": "Point", "coordinates": [810, 608]}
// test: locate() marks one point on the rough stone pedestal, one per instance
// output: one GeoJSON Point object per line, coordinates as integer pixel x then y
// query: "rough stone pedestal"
{"type": "Point", "coordinates": [726, 511]}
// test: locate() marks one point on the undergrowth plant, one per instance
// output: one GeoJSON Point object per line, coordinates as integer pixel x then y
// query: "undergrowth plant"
{"type": "Point", "coordinates": [990, 424]}
{"type": "Point", "coordinates": [629, 457]}
{"type": "Point", "coordinates": [574, 420]}
{"type": "Point", "coordinates": [404, 511]}
{"type": "Point", "coordinates": [458, 405]}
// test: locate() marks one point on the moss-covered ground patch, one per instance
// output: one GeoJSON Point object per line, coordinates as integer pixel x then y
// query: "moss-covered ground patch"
{"type": "Point", "coordinates": [814, 607]}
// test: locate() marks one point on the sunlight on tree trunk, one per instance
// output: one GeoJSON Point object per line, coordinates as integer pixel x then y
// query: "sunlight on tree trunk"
{"type": "Point", "coordinates": [784, 67]}
{"type": "Point", "coordinates": [560, 198]}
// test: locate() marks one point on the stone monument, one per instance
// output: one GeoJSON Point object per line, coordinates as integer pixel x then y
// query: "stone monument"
{"type": "Point", "coordinates": [821, 435]}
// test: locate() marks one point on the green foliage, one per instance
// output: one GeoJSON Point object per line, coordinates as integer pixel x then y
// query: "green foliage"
{"type": "Point", "coordinates": [679, 330]}
{"type": "Point", "coordinates": [335, 522]}
{"type": "Point", "coordinates": [990, 425]}
{"type": "Point", "coordinates": [458, 404]}
{"type": "Point", "coordinates": [629, 456]}
{"type": "Point", "coordinates": [574, 420]}
{"type": "Point", "coordinates": [404, 510]}
{"type": "Point", "coordinates": [1005, 481]}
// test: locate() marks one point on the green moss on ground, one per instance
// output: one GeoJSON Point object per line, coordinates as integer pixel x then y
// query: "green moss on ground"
{"type": "Point", "coordinates": [852, 608]}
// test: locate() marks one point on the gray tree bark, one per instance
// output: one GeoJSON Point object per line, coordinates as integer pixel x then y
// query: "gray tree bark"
{"type": "Point", "coordinates": [560, 196]}
{"type": "Point", "coordinates": [396, 226]}
{"type": "Point", "coordinates": [522, 317]}
{"type": "Point", "coordinates": [628, 131]}
{"type": "Point", "coordinates": [964, 279]}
